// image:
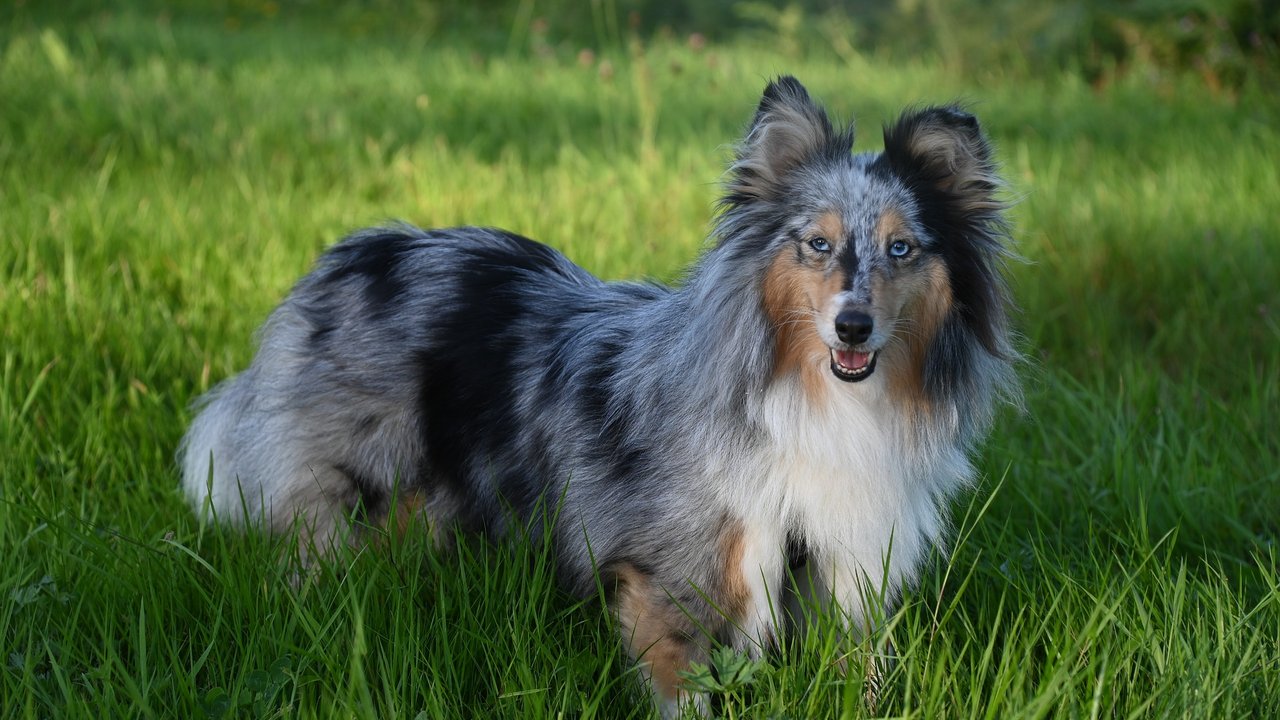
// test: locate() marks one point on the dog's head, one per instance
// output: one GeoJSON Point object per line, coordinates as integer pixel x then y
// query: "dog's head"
{"type": "Point", "coordinates": [873, 260]}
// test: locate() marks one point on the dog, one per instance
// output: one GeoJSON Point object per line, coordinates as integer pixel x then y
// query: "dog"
{"type": "Point", "coordinates": [809, 396]}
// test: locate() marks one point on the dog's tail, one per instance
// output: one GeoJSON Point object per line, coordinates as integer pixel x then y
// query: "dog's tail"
{"type": "Point", "coordinates": [208, 451]}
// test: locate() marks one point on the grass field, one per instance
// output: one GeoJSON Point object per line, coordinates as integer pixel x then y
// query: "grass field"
{"type": "Point", "coordinates": [164, 178]}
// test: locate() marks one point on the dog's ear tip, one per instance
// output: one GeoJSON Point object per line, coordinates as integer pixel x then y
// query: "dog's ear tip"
{"type": "Point", "coordinates": [954, 115]}
{"type": "Point", "coordinates": [784, 86]}
{"type": "Point", "coordinates": [920, 121]}
{"type": "Point", "coordinates": [960, 116]}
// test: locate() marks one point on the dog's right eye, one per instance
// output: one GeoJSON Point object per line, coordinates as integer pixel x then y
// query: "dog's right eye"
{"type": "Point", "coordinates": [820, 245]}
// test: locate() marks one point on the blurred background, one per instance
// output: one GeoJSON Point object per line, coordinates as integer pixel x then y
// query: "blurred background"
{"type": "Point", "coordinates": [1224, 42]}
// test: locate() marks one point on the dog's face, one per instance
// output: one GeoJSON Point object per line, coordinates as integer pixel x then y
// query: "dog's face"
{"type": "Point", "coordinates": [866, 254]}
{"type": "Point", "coordinates": [854, 274]}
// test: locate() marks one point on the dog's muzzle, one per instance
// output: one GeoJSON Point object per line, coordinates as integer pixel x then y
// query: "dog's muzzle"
{"type": "Point", "coordinates": [853, 327]}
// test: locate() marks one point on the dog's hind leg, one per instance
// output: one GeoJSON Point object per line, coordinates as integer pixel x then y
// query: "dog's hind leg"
{"type": "Point", "coordinates": [315, 501]}
{"type": "Point", "coordinates": [248, 467]}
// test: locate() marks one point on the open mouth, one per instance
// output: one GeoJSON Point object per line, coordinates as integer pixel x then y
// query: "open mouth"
{"type": "Point", "coordinates": [852, 365]}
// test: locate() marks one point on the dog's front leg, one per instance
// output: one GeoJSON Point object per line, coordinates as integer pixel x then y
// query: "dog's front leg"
{"type": "Point", "coordinates": [861, 603]}
{"type": "Point", "coordinates": [752, 597]}
{"type": "Point", "coordinates": [659, 635]}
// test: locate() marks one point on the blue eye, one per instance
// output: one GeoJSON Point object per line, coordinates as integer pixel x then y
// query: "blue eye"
{"type": "Point", "coordinates": [820, 244]}
{"type": "Point", "coordinates": [899, 249]}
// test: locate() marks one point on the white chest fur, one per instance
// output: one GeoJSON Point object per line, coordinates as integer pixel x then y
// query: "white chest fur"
{"type": "Point", "coordinates": [853, 479]}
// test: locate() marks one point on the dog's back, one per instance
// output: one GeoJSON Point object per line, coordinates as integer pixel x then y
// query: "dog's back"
{"type": "Point", "coordinates": [399, 336]}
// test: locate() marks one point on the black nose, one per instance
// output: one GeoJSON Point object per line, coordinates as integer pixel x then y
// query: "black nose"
{"type": "Point", "coordinates": [853, 326]}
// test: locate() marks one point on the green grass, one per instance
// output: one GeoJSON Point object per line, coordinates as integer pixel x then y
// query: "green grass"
{"type": "Point", "coordinates": [165, 178]}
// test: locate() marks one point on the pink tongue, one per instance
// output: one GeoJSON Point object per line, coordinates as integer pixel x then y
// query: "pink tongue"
{"type": "Point", "coordinates": [852, 359]}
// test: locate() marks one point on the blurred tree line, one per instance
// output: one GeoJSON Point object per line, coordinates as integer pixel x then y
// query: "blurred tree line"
{"type": "Point", "coordinates": [1226, 42]}
{"type": "Point", "coordinates": [1223, 40]}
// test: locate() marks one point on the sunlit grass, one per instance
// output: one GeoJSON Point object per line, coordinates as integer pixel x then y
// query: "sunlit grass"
{"type": "Point", "coordinates": [164, 181]}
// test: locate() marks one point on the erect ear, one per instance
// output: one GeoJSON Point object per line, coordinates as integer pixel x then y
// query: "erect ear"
{"type": "Point", "coordinates": [942, 149]}
{"type": "Point", "coordinates": [942, 156]}
{"type": "Point", "coordinates": [789, 129]}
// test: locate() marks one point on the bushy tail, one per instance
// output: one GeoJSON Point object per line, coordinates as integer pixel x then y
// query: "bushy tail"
{"type": "Point", "coordinates": [208, 452]}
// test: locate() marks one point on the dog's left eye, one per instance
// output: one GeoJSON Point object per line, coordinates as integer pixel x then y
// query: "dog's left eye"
{"type": "Point", "coordinates": [899, 249]}
{"type": "Point", "coordinates": [820, 244]}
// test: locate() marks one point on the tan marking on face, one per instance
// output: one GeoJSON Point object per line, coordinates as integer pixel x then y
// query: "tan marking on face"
{"type": "Point", "coordinates": [924, 295]}
{"type": "Point", "coordinates": [650, 626]}
{"type": "Point", "coordinates": [795, 295]}
{"type": "Point", "coordinates": [829, 226]}
{"type": "Point", "coordinates": [891, 224]}
{"type": "Point", "coordinates": [889, 297]}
